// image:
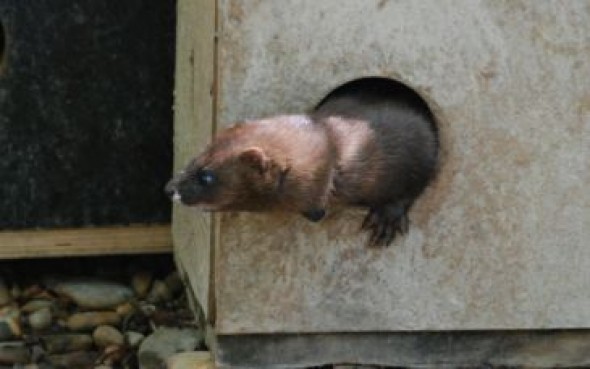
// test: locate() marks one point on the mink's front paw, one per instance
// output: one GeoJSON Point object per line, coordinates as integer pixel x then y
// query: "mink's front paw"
{"type": "Point", "coordinates": [385, 222]}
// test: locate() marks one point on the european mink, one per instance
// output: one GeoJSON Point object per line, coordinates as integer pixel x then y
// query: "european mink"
{"type": "Point", "coordinates": [368, 145]}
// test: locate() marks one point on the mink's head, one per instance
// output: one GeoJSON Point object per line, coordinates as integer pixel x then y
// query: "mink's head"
{"type": "Point", "coordinates": [229, 175]}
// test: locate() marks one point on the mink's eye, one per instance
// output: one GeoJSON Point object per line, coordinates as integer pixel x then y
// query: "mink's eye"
{"type": "Point", "coordinates": [206, 177]}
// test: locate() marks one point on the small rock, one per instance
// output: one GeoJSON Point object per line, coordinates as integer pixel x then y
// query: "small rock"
{"type": "Point", "coordinates": [37, 352]}
{"type": "Point", "coordinates": [137, 322]}
{"type": "Point", "coordinates": [14, 353]}
{"type": "Point", "coordinates": [38, 366]}
{"type": "Point", "coordinates": [113, 354]}
{"type": "Point", "coordinates": [16, 292]}
{"type": "Point", "coordinates": [141, 282]}
{"type": "Point", "coordinates": [9, 323]}
{"type": "Point", "coordinates": [125, 309]}
{"type": "Point", "coordinates": [34, 366]}
{"type": "Point", "coordinates": [74, 360]}
{"type": "Point", "coordinates": [133, 339]}
{"type": "Point", "coordinates": [191, 360]}
{"type": "Point", "coordinates": [164, 342]}
{"type": "Point", "coordinates": [174, 283]}
{"type": "Point", "coordinates": [103, 367]}
{"type": "Point", "coordinates": [106, 335]}
{"type": "Point", "coordinates": [167, 318]}
{"type": "Point", "coordinates": [64, 343]}
{"type": "Point", "coordinates": [37, 304]}
{"type": "Point", "coordinates": [159, 292]}
{"type": "Point", "coordinates": [40, 319]}
{"type": "Point", "coordinates": [32, 291]}
{"type": "Point", "coordinates": [150, 360]}
{"type": "Point", "coordinates": [5, 295]}
{"type": "Point", "coordinates": [147, 309]}
{"type": "Point", "coordinates": [60, 312]}
{"type": "Point", "coordinates": [92, 294]}
{"type": "Point", "coordinates": [91, 320]}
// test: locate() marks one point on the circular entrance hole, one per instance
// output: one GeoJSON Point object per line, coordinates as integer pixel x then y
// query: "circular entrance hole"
{"type": "Point", "coordinates": [358, 97]}
{"type": "Point", "coordinates": [378, 90]}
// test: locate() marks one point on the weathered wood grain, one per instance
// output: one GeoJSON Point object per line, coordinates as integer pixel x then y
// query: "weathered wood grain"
{"type": "Point", "coordinates": [85, 242]}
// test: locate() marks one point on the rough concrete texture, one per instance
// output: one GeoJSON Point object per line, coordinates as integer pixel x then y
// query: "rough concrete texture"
{"type": "Point", "coordinates": [499, 241]}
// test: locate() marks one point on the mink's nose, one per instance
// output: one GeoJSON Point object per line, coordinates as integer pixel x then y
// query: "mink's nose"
{"type": "Point", "coordinates": [171, 189]}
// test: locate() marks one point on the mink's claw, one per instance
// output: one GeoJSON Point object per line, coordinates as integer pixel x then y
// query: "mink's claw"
{"type": "Point", "coordinates": [385, 223]}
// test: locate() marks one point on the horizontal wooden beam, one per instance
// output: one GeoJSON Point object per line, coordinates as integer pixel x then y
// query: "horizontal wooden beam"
{"type": "Point", "coordinates": [137, 239]}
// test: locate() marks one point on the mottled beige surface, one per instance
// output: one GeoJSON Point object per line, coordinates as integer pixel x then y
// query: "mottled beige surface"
{"type": "Point", "coordinates": [193, 127]}
{"type": "Point", "coordinates": [500, 241]}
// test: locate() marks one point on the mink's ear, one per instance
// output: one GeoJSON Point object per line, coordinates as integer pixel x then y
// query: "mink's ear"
{"type": "Point", "coordinates": [256, 158]}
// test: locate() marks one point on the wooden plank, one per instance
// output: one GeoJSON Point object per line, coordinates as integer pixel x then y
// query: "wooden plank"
{"type": "Point", "coordinates": [195, 89]}
{"type": "Point", "coordinates": [138, 239]}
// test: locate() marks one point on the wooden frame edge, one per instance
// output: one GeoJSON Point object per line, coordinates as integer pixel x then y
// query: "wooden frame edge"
{"type": "Point", "coordinates": [135, 239]}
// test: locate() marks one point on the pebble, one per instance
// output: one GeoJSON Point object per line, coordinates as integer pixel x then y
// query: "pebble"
{"type": "Point", "coordinates": [32, 291]}
{"type": "Point", "coordinates": [159, 292]}
{"type": "Point", "coordinates": [133, 339]}
{"type": "Point", "coordinates": [125, 309]}
{"type": "Point", "coordinates": [40, 319]}
{"type": "Point", "coordinates": [37, 304]}
{"type": "Point", "coordinates": [16, 292]}
{"type": "Point", "coordinates": [141, 282]}
{"type": "Point", "coordinates": [61, 313]}
{"type": "Point", "coordinates": [113, 354]}
{"type": "Point", "coordinates": [106, 335]}
{"type": "Point", "coordinates": [36, 366]}
{"type": "Point", "coordinates": [80, 322]}
{"type": "Point", "coordinates": [37, 351]}
{"type": "Point", "coordinates": [147, 309]}
{"type": "Point", "coordinates": [91, 320]}
{"type": "Point", "coordinates": [74, 360]}
{"type": "Point", "coordinates": [63, 343]}
{"type": "Point", "coordinates": [9, 323]}
{"type": "Point", "coordinates": [93, 294]}
{"type": "Point", "coordinates": [165, 342]}
{"type": "Point", "coordinates": [174, 283]}
{"type": "Point", "coordinates": [191, 360]}
{"type": "Point", "coordinates": [5, 295]}
{"type": "Point", "coordinates": [14, 353]}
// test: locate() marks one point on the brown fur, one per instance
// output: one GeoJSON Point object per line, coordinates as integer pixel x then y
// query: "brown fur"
{"type": "Point", "coordinates": [246, 186]}
{"type": "Point", "coordinates": [359, 151]}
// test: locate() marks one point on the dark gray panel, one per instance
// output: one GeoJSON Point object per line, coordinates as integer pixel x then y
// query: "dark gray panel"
{"type": "Point", "coordinates": [85, 112]}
